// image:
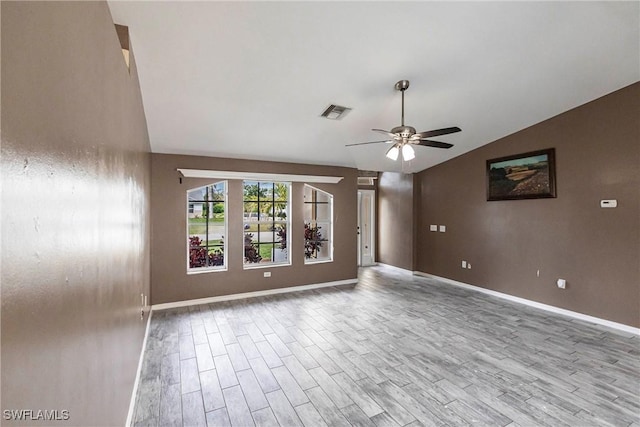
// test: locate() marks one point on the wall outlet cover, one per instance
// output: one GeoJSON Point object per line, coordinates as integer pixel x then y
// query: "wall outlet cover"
{"type": "Point", "coordinates": [611, 203]}
{"type": "Point", "coordinates": [443, 228]}
{"type": "Point", "coordinates": [433, 227]}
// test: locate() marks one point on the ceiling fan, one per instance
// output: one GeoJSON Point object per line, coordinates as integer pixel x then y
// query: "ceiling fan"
{"type": "Point", "coordinates": [403, 137]}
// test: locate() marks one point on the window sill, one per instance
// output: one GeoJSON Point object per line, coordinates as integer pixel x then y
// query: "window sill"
{"type": "Point", "coordinates": [206, 270]}
{"type": "Point", "coordinates": [257, 267]}
{"type": "Point", "coordinates": [320, 261]}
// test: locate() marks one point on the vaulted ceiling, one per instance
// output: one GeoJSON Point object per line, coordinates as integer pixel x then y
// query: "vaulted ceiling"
{"type": "Point", "coordinates": [250, 79]}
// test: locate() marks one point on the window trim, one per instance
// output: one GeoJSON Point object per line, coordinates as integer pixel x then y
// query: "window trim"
{"type": "Point", "coordinates": [224, 266]}
{"type": "Point", "coordinates": [258, 176]}
{"type": "Point", "coordinates": [258, 265]}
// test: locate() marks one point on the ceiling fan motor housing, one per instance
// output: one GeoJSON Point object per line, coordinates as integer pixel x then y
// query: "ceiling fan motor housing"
{"type": "Point", "coordinates": [404, 131]}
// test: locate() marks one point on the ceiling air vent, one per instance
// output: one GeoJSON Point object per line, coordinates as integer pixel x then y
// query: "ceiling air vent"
{"type": "Point", "coordinates": [335, 112]}
{"type": "Point", "coordinates": [366, 180]}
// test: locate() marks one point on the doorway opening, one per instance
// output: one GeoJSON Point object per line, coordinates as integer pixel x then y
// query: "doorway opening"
{"type": "Point", "coordinates": [366, 227]}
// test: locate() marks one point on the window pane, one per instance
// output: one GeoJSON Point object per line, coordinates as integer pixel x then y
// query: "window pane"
{"type": "Point", "coordinates": [280, 211]}
{"type": "Point", "coordinates": [266, 252]}
{"type": "Point", "coordinates": [216, 192]}
{"type": "Point", "coordinates": [265, 210]}
{"type": "Point", "coordinates": [280, 254]}
{"type": "Point", "coordinates": [266, 233]}
{"type": "Point", "coordinates": [308, 211]}
{"type": "Point", "coordinates": [265, 222]}
{"type": "Point", "coordinates": [215, 233]}
{"type": "Point", "coordinates": [318, 206]}
{"type": "Point", "coordinates": [218, 211]}
{"type": "Point", "coordinates": [251, 211]}
{"type": "Point", "coordinates": [251, 250]}
{"type": "Point", "coordinates": [195, 210]}
{"type": "Point", "coordinates": [266, 190]}
{"type": "Point", "coordinates": [322, 197]}
{"type": "Point", "coordinates": [197, 194]}
{"type": "Point", "coordinates": [322, 212]}
{"type": "Point", "coordinates": [281, 192]}
{"type": "Point", "coordinates": [206, 226]}
{"type": "Point", "coordinates": [250, 190]}
{"type": "Point", "coordinates": [313, 240]}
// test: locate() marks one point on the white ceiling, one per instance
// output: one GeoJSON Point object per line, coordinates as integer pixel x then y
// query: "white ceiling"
{"type": "Point", "coordinates": [250, 79]}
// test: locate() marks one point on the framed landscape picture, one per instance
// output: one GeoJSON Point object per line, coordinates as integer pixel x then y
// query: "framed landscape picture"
{"type": "Point", "coordinates": [523, 176]}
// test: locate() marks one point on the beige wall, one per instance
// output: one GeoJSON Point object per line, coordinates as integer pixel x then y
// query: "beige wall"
{"type": "Point", "coordinates": [396, 220]}
{"type": "Point", "coordinates": [170, 281]}
{"type": "Point", "coordinates": [596, 250]}
{"type": "Point", "coordinates": [75, 206]}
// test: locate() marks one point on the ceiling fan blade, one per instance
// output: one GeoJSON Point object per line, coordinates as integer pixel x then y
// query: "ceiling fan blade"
{"type": "Point", "coordinates": [392, 135]}
{"type": "Point", "coordinates": [436, 132]}
{"type": "Point", "coordinates": [364, 143]}
{"type": "Point", "coordinates": [436, 144]}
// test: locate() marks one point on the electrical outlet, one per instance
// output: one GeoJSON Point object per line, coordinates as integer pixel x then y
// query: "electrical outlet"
{"type": "Point", "coordinates": [562, 284]}
{"type": "Point", "coordinates": [443, 228]}
{"type": "Point", "coordinates": [433, 227]}
{"type": "Point", "coordinates": [469, 265]}
{"type": "Point", "coordinates": [464, 264]}
{"type": "Point", "coordinates": [267, 274]}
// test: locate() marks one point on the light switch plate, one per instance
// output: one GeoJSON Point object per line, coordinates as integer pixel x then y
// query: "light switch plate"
{"type": "Point", "coordinates": [443, 228]}
{"type": "Point", "coordinates": [433, 227]}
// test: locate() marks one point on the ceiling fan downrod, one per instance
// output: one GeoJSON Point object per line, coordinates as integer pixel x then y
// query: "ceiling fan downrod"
{"type": "Point", "coordinates": [402, 85]}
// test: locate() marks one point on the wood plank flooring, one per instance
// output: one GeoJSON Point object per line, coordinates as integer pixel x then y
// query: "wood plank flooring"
{"type": "Point", "coordinates": [393, 350]}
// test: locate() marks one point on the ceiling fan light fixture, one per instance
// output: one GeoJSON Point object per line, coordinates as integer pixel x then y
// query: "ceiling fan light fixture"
{"type": "Point", "coordinates": [393, 152]}
{"type": "Point", "coordinates": [408, 153]}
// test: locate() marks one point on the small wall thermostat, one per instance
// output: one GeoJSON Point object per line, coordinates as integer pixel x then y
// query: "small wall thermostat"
{"type": "Point", "coordinates": [608, 203]}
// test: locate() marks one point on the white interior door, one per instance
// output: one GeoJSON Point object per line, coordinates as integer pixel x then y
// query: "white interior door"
{"type": "Point", "coordinates": [366, 227]}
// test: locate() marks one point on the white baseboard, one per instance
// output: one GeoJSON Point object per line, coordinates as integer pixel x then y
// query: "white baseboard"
{"type": "Point", "coordinates": [208, 300]}
{"type": "Point", "coordinates": [393, 267]}
{"type": "Point", "coordinates": [551, 308]}
{"type": "Point", "coordinates": [134, 393]}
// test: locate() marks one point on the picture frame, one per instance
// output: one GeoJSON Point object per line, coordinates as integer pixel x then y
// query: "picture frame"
{"type": "Point", "coordinates": [530, 175]}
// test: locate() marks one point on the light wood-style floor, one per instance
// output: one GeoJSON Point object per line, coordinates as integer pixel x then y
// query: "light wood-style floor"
{"type": "Point", "coordinates": [394, 349]}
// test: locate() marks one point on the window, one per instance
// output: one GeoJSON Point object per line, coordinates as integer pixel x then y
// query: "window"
{"type": "Point", "coordinates": [318, 221]}
{"type": "Point", "coordinates": [266, 221]}
{"type": "Point", "coordinates": [206, 227]}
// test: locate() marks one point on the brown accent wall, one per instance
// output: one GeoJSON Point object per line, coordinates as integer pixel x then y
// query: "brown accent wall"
{"type": "Point", "coordinates": [395, 240]}
{"type": "Point", "coordinates": [75, 209]}
{"type": "Point", "coordinates": [596, 250]}
{"type": "Point", "coordinates": [170, 281]}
